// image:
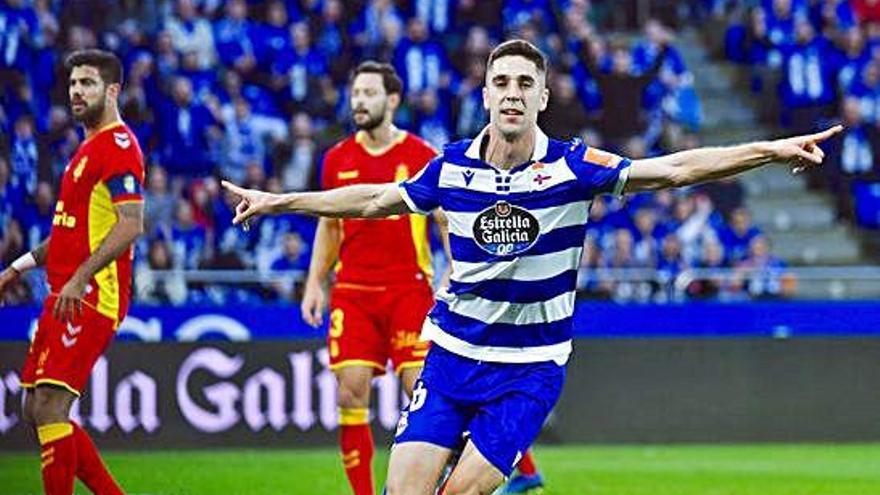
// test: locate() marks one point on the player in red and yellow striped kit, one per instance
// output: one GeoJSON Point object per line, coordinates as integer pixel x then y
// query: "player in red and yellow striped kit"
{"type": "Point", "coordinates": [382, 290]}
{"type": "Point", "coordinates": [88, 259]}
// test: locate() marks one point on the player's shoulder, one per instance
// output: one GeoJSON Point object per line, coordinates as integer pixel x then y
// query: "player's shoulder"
{"type": "Point", "coordinates": [343, 147]}
{"type": "Point", "coordinates": [414, 142]}
{"type": "Point", "coordinates": [456, 151]}
{"type": "Point", "coordinates": [117, 139]}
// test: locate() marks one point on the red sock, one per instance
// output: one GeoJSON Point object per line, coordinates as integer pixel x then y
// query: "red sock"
{"type": "Point", "coordinates": [89, 466]}
{"type": "Point", "coordinates": [356, 442]}
{"type": "Point", "coordinates": [527, 464]}
{"type": "Point", "coordinates": [57, 458]}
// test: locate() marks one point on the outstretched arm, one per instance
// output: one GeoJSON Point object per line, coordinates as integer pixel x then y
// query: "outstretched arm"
{"type": "Point", "coordinates": [357, 201]}
{"type": "Point", "coordinates": [707, 164]}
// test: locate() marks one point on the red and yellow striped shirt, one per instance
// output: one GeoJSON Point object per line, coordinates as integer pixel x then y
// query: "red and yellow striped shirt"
{"type": "Point", "coordinates": [107, 169]}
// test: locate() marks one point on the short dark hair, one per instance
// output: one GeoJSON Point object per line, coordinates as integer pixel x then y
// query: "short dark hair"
{"type": "Point", "coordinates": [520, 48]}
{"type": "Point", "coordinates": [390, 80]}
{"type": "Point", "coordinates": [107, 63]}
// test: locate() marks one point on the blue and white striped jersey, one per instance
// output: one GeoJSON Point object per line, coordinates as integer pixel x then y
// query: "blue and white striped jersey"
{"type": "Point", "coordinates": [516, 236]}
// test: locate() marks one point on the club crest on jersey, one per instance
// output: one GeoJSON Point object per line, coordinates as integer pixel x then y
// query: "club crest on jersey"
{"type": "Point", "coordinates": [123, 140]}
{"type": "Point", "coordinates": [505, 229]}
{"type": "Point", "coordinates": [128, 183]}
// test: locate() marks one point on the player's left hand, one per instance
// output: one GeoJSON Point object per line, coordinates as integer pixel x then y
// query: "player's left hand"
{"type": "Point", "coordinates": [68, 304]}
{"type": "Point", "coordinates": [803, 151]}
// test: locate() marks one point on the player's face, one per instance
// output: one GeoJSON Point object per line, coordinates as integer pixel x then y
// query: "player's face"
{"type": "Point", "coordinates": [371, 106]}
{"type": "Point", "coordinates": [88, 94]}
{"type": "Point", "coordinates": [514, 94]}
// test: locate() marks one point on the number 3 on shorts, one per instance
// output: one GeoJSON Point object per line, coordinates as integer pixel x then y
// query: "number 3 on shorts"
{"type": "Point", "coordinates": [337, 317]}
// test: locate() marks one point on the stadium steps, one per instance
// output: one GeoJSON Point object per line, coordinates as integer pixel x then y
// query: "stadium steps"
{"type": "Point", "coordinates": [834, 246]}
{"type": "Point", "coordinates": [801, 224]}
{"type": "Point", "coordinates": [838, 289]}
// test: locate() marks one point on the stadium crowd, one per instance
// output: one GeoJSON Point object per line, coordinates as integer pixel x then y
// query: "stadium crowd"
{"type": "Point", "coordinates": [254, 91]}
{"type": "Point", "coordinates": [813, 63]}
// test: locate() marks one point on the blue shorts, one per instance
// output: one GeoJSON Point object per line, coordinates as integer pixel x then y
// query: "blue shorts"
{"type": "Point", "coordinates": [502, 405]}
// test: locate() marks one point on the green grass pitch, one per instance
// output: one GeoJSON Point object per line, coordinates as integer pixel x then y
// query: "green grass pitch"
{"type": "Point", "coordinates": [815, 469]}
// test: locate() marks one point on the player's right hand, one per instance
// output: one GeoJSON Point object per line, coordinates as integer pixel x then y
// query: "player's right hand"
{"type": "Point", "coordinates": [252, 202]}
{"type": "Point", "coordinates": [313, 304]}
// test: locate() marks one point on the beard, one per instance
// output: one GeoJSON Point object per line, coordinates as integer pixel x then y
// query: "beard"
{"type": "Point", "coordinates": [91, 114]}
{"type": "Point", "coordinates": [373, 121]}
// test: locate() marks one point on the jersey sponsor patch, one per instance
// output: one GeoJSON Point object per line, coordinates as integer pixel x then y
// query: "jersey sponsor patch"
{"type": "Point", "coordinates": [602, 158]}
{"type": "Point", "coordinates": [122, 139]}
{"type": "Point", "coordinates": [505, 229]}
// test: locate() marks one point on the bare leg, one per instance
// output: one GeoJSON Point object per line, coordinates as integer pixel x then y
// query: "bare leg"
{"type": "Point", "coordinates": [414, 468]}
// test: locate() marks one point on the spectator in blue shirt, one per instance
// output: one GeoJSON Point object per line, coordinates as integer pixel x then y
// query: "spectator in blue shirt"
{"type": "Point", "coordinates": [36, 218]}
{"type": "Point", "coordinates": [851, 158]}
{"type": "Point", "coordinates": [232, 88]}
{"type": "Point", "coordinates": [159, 203]}
{"type": "Point", "coordinates": [247, 137]}
{"type": "Point", "coordinates": [866, 90]}
{"type": "Point", "coordinates": [673, 88]}
{"type": "Point", "coordinates": [272, 38]}
{"type": "Point", "coordinates": [738, 234]}
{"type": "Point", "coordinates": [437, 14]}
{"type": "Point", "coordinates": [190, 32]}
{"type": "Point", "coordinates": [58, 144]}
{"type": "Point", "coordinates": [780, 19]}
{"type": "Point", "coordinates": [25, 155]}
{"type": "Point", "coordinates": [470, 115]}
{"type": "Point", "coordinates": [297, 73]}
{"type": "Point", "coordinates": [296, 158]}
{"type": "Point", "coordinates": [432, 119]}
{"type": "Point", "coordinates": [188, 239]}
{"type": "Point", "coordinates": [293, 257]}
{"type": "Point", "coordinates": [233, 36]}
{"type": "Point", "coordinates": [832, 16]}
{"type": "Point", "coordinates": [647, 235]}
{"type": "Point", "coordinates": [167, 58]}
{"type": "Point", "coordinates": [854, 57]}
{"type": "Point", "coordinates": [760, 274]}
{"type": "Point", "coordinates": [19, 37]}
{"type": "Point", "coordinates": [808, 83]}
{"type": "Point", "coordinates": [366, 30]}
{"type": "Point", "coordinates": [203, 81]}
{"type": "Point", "coordinates": [331, 40]}
{"type": "Point", "coordinates": [185, 132]}
{"type": "Point", "coordinates": [421, 61]}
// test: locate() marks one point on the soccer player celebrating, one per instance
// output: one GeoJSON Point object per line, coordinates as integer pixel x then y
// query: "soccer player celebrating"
{"type": "Point", "coordinates": [382, 290]}
{"type": "Point", "coordinates": [88, 257]}
{"type": "Point", "coordinates": [517, 204]}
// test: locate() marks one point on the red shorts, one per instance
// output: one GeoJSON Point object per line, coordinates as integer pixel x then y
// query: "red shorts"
{"type": "Point", "coordinates": [63, 353]}
{"type": "Point", "coordinates": [370, 325]}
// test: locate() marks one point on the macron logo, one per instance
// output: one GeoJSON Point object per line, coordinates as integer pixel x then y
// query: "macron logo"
{"type": "Point", "coordinates": [468, 176]}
